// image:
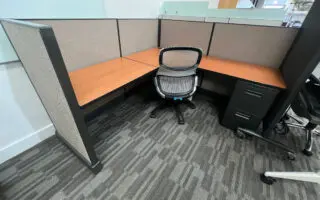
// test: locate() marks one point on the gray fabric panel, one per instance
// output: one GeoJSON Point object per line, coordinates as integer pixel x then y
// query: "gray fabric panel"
{"type": "Point", "coordinates": [32, 52]}
{"type": "Point", "coordinates": [138, 35]}
{"type": "Point", "coordinates": [183, 33]}
{"type": "Point", "coordinates": [176, 85]}
{"type": "Point", "coordinates": [85, 42]}
{"type": "Point", "coordinates": [180, 58]}
{"type": "Point", "coordinates": [260, 45]}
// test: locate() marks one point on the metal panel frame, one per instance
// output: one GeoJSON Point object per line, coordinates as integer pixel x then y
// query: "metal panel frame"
{"type": "Point", "coordinates": [119, 39]}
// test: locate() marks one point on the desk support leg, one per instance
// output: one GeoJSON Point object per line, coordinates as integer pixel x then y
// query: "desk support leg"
{"type": "Point", "coordinates": [291, 154]}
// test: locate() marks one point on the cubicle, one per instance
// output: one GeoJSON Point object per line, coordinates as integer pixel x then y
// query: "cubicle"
{"type": "Point", "coordinates": [259, 45]}
{"type": "Point", "coordinates": [81, 62]}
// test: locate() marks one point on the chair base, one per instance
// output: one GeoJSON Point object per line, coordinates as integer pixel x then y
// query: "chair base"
{"type": "Point", "coordinates": [307, 152]}
{"type": "Point", "coordinates": [161, 106]}
{"type": "Point", "coordinates": [176, 106]}
{"type": "Point", "coordinates": [190, 104]}
{"type": "Point", "coordinates": [309, 128]}
{"type": "Point", "coordinates": [178, 113]}
{"type": "Point", "coordinates": [266, 179]}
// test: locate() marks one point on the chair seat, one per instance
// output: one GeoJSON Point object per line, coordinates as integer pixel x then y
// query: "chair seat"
{"type": "Point", "coordinates": [176, 86]}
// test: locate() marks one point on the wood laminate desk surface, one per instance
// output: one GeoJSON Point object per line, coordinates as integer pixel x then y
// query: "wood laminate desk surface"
{"type": "Point", "coordinates": [255, 73]}
{"type": "Point", "coordinates": [94, 81]}
{"type": "Point", "coordinates": [150, 57]}
{"type": "Point", "coordinates": [246, 71]}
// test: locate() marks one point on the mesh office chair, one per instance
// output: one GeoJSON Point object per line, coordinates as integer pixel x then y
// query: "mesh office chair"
{"type": "Point", "coordinates": [176, 79]}
{"type": "Point", "coordinates": [306, 105]}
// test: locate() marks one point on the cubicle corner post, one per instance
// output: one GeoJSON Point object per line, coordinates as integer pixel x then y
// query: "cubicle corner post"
{"type": "Point", "coordinates": [210, 40]}
{"type": "Point", "coordinates": [159, 32]}
{"type": "Point", "coordinates": [119, 39]}
{"type": "Point", "coordinates": [54, 53]}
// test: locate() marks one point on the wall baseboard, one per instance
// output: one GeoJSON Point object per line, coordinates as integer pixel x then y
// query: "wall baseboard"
{"type": "Point", "coordinates": [26, 143]}
{"type": "Point", "coordinates": [8, 62]}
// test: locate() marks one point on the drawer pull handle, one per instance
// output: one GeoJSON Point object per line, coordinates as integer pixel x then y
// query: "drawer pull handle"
{"type": "Point", "coordinates": [242, 116]}
{"type": "Point", "coordinates": [253, 93]}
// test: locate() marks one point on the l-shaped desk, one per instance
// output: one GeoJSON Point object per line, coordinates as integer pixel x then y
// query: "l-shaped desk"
{"type": "Point", "coordinates": [93, 82]}
{"type": "Point", "coordinates": [255, 91]}
{"type": "Point", "coordinates": [250, 72]}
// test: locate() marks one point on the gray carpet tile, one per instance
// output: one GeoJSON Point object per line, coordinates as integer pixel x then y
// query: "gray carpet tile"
{"type": "Point", "coordinates": [158, 159]}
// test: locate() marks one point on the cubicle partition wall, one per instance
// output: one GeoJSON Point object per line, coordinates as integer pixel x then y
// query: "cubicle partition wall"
{"type": "Point", "coordinates": [85, 42]}
{"type": "Point", "coordinates": [186, 33]}
{"type": "Point", "coordinates": [261, 45]}
{"type": "Point", "coordinates": [137, 35]}
{"type": "Point", "coordinates": [40, 56]}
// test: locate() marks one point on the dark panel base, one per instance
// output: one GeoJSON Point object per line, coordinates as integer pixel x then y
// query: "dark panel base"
{"type": "Point", "coordinates": [94, 167]}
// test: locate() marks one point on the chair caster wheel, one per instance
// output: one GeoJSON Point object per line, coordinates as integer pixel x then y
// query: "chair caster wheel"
{"type": "Point", "coordinates": [153, 115]}
{"type": "Point", "coordinates": [240, 134]}
{"type": "Point", "coordinates": [267, 180]}
{"type": "Point", "coordinates": [306, 152]}
{"type": "Point", "coordinates": [291, 156]}
{"type": "Point", "coordinates": [180, 122]}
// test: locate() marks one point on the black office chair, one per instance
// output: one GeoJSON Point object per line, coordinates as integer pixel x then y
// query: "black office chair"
{"type": "Point", "coordinates": [306, 105]}
{"type": "Point", "coordinates": [176, 79]}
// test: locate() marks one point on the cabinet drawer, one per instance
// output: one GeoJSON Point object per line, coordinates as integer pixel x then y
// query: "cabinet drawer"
{"type": "Point", "coordinates": [234, 118]}
{"type": "Point", "coordinates": [253, 98]}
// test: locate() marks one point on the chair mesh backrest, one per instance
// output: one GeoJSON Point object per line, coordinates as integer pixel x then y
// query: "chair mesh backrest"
{"type": "Point", "coordinates": [180, 57]}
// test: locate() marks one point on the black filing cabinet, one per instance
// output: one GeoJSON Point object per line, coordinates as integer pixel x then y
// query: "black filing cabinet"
{"type": "Point", "coordinates": [248, 105]}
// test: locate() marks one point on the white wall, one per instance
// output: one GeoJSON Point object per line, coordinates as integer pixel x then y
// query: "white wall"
{"type": "Point", "coordinates": [23, 120]}
{"type": "Point", "coordinates": [132, 8]}
{"type": "Point", "coordinates": [7, 53]}
{"type": "Point", "coordinates": [213, 3]}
